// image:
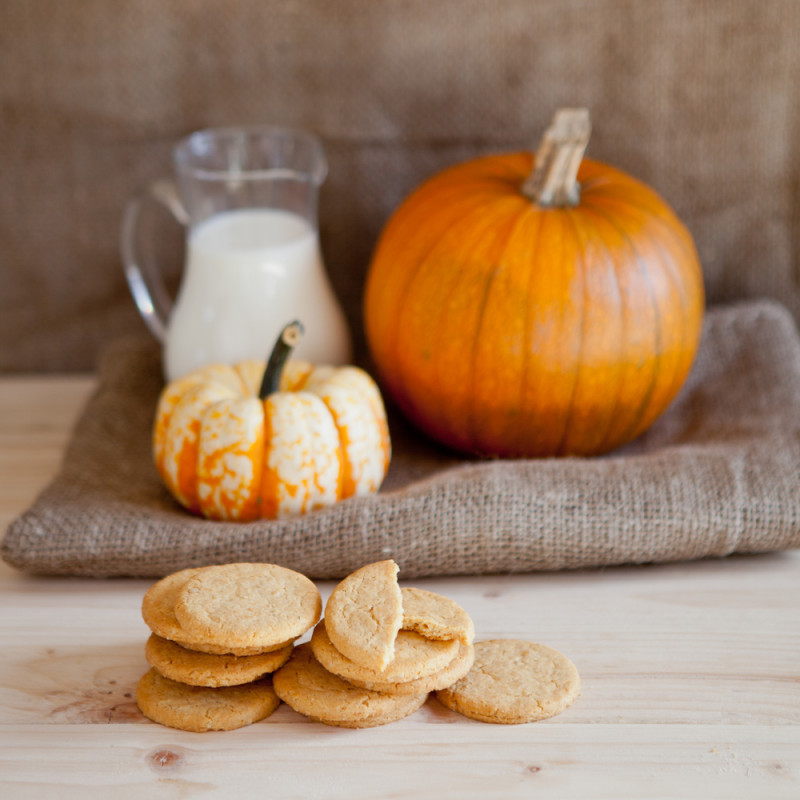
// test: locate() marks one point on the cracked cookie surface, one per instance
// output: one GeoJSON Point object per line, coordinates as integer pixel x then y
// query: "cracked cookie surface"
{"type": "Point", "coordinates": [513, 681]}
{"type": "Point", "coordinates": [364, 614]}
{"type": "Point", "coordinates": [247, 605]}
{"type": "Point", "coordinates": [435, 616]}
{"type": "Point", "coordinates": [158, 612]}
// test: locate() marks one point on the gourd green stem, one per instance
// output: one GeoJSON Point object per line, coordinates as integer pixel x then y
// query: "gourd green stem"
{"type": "Point", "coordinates": [289, 338]}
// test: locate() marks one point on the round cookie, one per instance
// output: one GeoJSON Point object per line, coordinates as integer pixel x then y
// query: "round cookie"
{"type": "Point", "coordinates": [158, 612]}
{"type": "Point", "coordinates": [204, 669]}
{"type": "Point", "coordinates": [455, 670]}
{"type": "Point", "coordinates": [364, 614]}
{"type": "Point", "coordinates": [435, 616]}
{"type": "Point", "coordinates": [200, 708]}
{"type": "Point", "coordinates": [513, 681]}
{"type": "Point", "coordinates": [247, 605]}
{"type": "Point", "coordinates": [305, 685]}
{"type": "Point", "coordinates": [414, 657]}
{"type": "Point", "coordinates": [158, 604]}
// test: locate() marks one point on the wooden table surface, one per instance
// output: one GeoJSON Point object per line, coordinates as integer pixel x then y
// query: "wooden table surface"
{"type": "Point", "coordinates": [690, 680]}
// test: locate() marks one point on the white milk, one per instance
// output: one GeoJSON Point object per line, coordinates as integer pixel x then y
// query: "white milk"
{"type": "Point", "coordinates": [248, 273]}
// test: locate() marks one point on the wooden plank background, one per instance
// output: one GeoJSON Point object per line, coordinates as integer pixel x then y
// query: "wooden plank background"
{"type": "Point", "coordinates": [690, 680]}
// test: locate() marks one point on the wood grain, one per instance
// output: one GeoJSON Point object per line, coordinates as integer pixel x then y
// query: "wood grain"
{"type": "Point", "coordinates": [690, 680]}
{"type": "Point", "coordinates": [413, 757]}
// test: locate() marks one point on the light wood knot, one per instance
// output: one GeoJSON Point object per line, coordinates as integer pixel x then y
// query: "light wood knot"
{"type": "Point", "coordinates": [163, 758]}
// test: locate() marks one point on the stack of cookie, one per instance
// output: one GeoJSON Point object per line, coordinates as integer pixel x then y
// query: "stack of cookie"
{"type": "Point", "coordinates": [378, 653]}
{"type": "Point", "coordinates": [216, 633]}
{"type": "Point", "coordinates": [381, 649]}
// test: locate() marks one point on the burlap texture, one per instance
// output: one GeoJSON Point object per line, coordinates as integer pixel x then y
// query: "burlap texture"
{"type": "Point", "coordinates": [717, 474]}
{"type": "Point", "coordinates": [697, 98]}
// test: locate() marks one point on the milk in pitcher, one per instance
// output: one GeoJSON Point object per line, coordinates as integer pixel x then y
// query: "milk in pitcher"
{"type": "Point", "coordinates": [248, 273]}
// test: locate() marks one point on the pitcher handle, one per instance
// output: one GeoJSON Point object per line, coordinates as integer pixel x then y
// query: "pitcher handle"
{"type": "Point", "coordinates": [144, 278]}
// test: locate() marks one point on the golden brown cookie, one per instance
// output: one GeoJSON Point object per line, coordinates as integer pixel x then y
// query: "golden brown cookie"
{"type": "Point", "coordinates": [414, 657]}
{"type": "Point", "coordinates": [305, 685]}
{"type": "Point", "coordinates": [364, 614]}
{"type": "Point", "coordinates": [247, 605]}
{"type": "Point", "coordinates": [158, 604]}
{"type": "Point", "coordinates": [435, 617]}
{"type": "Point", "coordinates": [204, 669]}
{"type": "Point", "coordinates": [455, 670]}
{"type": "Point", "coordinates": [200, 708]}
{"type": "Point", "coordinates": [158, 612]}
{"type": "Point", "coordinates": [513, 681]}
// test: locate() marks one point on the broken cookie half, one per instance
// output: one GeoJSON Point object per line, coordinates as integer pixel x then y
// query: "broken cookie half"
{"type": "Point", "coordinates": [364, 614]}
{"type": "Point", "coordinates": [367, 611]}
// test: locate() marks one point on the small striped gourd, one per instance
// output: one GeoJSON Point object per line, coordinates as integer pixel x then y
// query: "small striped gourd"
{"type": "Point", "coordinates": [244, 442]}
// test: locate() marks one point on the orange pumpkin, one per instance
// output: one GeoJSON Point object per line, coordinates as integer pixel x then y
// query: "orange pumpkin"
{"type": "Point", "coordinates": [519, 312]}
{"type": "Point", "coordinates": [245, 442]}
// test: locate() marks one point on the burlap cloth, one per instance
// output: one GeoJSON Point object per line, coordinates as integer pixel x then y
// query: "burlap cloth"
{"type": "Point", "coordinates": [696, 98]}
{"type": "Point", "coordinates": [717, 474]}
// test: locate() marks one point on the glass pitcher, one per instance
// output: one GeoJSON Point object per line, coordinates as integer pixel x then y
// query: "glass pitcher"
{"type": "Point", "coordinates": [248, 199]}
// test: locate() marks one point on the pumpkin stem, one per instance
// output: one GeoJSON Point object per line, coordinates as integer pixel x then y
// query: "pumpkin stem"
{"type": "Point", "coordinates": [553, 182]}
{"type": "Point", "coordinates": [287, 341]}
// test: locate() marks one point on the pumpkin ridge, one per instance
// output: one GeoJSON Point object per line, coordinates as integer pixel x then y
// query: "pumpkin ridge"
{"type": "Point", "coordinates": [526, 328]}
{"type": "Point", "coordinates": [270, 482]}
{"type": "Point", "coordinates": [466, 222]}
{"type": "Point", "coordinates": [180, 465]}
{"type": "Point", "coordinates": [555, 377]}
{"type": "Point", "coordinates": [671, 227]}
{"type": "Point", "coordinates": [252, 509]}
{"type": "Point", "coordinates": [361, 437]}
{"type": "Point", "coordinates": [315, 488]}
{"type": "Point", "coordinates": [391, 348]}
{"type": "Point", "coordinates": [325, 448]}
{"type": "Point", "coordinates": [667, 258]}
{"type": "Point", "coordinates": [346, 483]}
{"type": "Point", "coordinates": [429, 198]}
{"type": "Point", "coordinates": [569, 216]}
{"type": "Point", "coordinates": [343, 465]}
{"type": "Point", "coordinates": [516, 221]}
{"type": "Point", "coordinates": [614, 278]}
{"type": "Point", "coordinates": [309, 473]}
{"type": "Point", "coordinates": [500, 373]}
{"type": "Point", "coordinates": [560, 216]}
{"type": "Point", "coordinates": [678, 256]}
{"type": "Point", "coordinates": [167, 403]}
{"type": "Point", "coordinates": [622, 389]}
{"type": "Point", "coordinates": [638, 414]}
{"type": "Point", "coordinates": [379, 415]}
{"type": "Point", "coordinates": [666, 219]}
{"type": "Point", "coordinates": [645, 200]}
{"type": "Point", "coordinates": [217, 497]}
{"type": "Point", "coordinates": [468, 439]}
{"type": "Point", "coordinates": [187, 470]}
